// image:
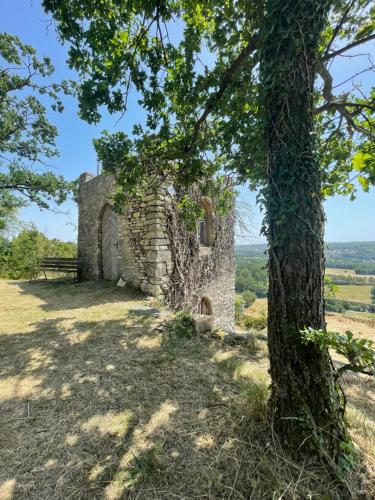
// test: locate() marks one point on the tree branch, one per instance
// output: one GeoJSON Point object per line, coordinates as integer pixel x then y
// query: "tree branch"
{"type": "Point", "coordinates": [335, 102]}
{"type": "Point", "coordinates": [339, 26]}
{"type": "Point", "coordinates": [338, 104]}
{"type": "Point", "coordinates": [326, 57]}
{"type": "Point", "coordinates": [226, 80]}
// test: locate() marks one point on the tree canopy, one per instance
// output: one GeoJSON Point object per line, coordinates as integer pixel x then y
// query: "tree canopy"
{"type": "Point", "coordinates": [27, 138]}
{"type": "Point", "coordinates": [195, 66]}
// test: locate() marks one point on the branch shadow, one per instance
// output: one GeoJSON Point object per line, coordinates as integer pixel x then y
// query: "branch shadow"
{"type": "Point", "coordinates": [58, 296]}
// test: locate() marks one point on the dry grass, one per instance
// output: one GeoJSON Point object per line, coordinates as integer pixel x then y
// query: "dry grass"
{"type": "Point", "coordinates": [346, 272]}
{"type": "Point", "coordinates": [97, 403]}
{"type": "Point", "coordinates": [337, 270]}
{"type": "Point", "coordinates": [356, 293]}
{"type": "Point", "coordinates": [257, 308]}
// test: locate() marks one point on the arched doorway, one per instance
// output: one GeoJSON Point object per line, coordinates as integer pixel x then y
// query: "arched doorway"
{"type": "Point", "coordinates": [205, 306]}
{"type": "Point", "coordinates": [109, 244]}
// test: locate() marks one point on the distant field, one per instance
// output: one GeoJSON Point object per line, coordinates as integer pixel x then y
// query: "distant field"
{"type": "Point", "coordinates": [336, 270]}
{"type": "Point", "coordinates": [356, 293]}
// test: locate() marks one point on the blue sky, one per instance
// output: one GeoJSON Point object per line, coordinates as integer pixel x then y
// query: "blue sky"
{"type": "Point", "coordinates": [346, 220]}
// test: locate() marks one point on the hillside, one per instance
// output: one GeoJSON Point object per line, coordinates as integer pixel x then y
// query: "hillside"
{"type": "Point", "coordinates": [363, 251]}
{"type": "Point", "coordinates": [100, 399]}
{"type": "Point", "coordinates": [356, 256]}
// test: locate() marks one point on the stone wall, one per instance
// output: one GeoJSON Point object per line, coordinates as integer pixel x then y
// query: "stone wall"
{"type": "Point", "coordinates": [218, 287]}
{"type": "Point", "coordinates": [146, 253]}
{"type": "Point", "coordinates": [93, 196]}
{"type": "Point", "coordinates": [204, 271]}
{"type": "Point", "coordinates": [143, 245]}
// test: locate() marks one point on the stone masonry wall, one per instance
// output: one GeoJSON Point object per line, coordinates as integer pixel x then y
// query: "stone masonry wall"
{"type": "Point", "coordinates": [219, 289]}
{"type": "Point", "coordinates": [143, 245]}
{"type": "Point", "coordinates": [204, 271]}
{"type": "Point", "coordinates": [145, 248]}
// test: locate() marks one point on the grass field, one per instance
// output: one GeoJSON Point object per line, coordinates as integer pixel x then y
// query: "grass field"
{"type": "Point", "coordinates": [98, 400]}
{"type": "Point", "coordinates": [356, 293]}
{"type": "Point", "coordinates": [336, 270]}
{"type": "Point", "coordinates": [361, 324]}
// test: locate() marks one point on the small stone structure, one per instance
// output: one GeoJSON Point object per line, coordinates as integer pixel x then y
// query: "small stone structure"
{"type": "Point", "coordinates": [140, 246]}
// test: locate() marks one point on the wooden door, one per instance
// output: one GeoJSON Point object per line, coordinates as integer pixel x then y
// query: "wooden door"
{"type": "Point", "coordinates": [109, 245]}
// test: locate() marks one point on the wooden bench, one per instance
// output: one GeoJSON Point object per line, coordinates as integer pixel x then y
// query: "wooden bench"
{"type": "Point", "coordinates": [60, 265]}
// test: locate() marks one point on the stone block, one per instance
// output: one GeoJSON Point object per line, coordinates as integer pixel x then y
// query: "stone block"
{"type": "Point", "coordinates": [151, 289]}
{"type": "Point", "coordinates": [203, 323]}
{"type": "Point", "coordinates": [156, 234]}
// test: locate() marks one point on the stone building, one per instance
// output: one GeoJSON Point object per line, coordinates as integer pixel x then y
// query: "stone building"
{"type": "Point", "coordinates": [150, 248]}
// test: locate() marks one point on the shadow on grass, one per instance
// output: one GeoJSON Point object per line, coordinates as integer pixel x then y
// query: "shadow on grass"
{"type": "Point", "coordinates": [113, 408]}
{"type": "Point", "coordinates": [58, 295]}
{"type": "Point", "coordinates": [88, 407]}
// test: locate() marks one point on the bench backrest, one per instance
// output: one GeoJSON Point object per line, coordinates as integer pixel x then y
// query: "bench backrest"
{"type": "Point", "coordinates": [60, 264]}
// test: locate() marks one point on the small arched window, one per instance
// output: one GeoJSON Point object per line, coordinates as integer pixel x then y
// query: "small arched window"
{"type": "Point", "coordinates": [205, 306]}
{"type": "Point", "coordinates": [206, 225]}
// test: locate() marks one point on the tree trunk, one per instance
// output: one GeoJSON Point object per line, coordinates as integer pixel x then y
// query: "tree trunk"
{"type": "Point", "coordinates": [305, 404]}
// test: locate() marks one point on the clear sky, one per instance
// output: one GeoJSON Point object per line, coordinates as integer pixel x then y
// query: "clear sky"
{"type": "Point", "coordinates": [346, 220]}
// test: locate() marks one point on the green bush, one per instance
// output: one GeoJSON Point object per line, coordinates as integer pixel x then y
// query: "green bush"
{"type": "Point", "coordinates": [21, 257]}
{"type": "Point", "coordinates": [239, 306]}
{"type": "Point", "coordinates": [334, 306]}
{"type": "Point", "coordinates": [25, 254]}
{"type": "Point", "coordinates": [359, 352]}
{"type": "Point", "coordinates": [248, 298]}
{"type": "Point", "coordinates": [183, 326]}
{"type": "Point", "coordinates": [255, 322]}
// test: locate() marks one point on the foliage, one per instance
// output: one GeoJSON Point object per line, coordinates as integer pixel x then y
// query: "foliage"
{"type": "Point", "coordinates": [373, 294]}
{"type": "Point", "coordinates": [251, 275]}
{"type": "Point", "coordinates": [248, 298]}
{"type": "Point", "coordinates": [58, 248]}
{"type": "Point", "coordinates": [351, 279]}
{"type": "Point", "coordinates": [183, 326]}
{"type": "Point", "coordinates": [359, 352]}
{"type": "Point", "coordinates": [26, 135]}
{"type": "Point", "coordinates": [330, 288]}
{"type": "Point", "coordinates": [258, 322]}
{"type": "Point", "coordinates": [345, 305]}
{"type": "Point", "coordinates": [252, 278]}
{"type": "Point", "coordinates": [120, 46]}
{"type": "Point", "coordinates": [239, 306]}
{"type": "Point", "coordinates": [21, 257]}
{"type": "Point", "coordinates": [9, 206]}
{"type": "Point", "coordinates": [25, 254]}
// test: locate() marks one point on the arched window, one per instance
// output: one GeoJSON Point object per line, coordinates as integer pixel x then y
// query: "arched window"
{"type": "Point", "coordinates": [206, 225]}
{"type": "Point", "coordinates": [205, 306]}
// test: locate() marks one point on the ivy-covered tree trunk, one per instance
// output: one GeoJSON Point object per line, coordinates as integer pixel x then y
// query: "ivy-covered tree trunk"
{"type": "Point", "coordinates": [305, 405]}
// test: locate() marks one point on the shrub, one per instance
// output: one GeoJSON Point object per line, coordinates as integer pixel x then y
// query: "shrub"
{"type": "Point", "coordinates": [255, 322]}
{"type": "Point", "coordinates": [334, 306]}
{"type": "Point", "coordinates": [183, 326]}
{"type": "Point", "coordinates": [239, 306]}
{"type": "Point", "coordinates": [25, 254]}
{"type": "Point", "coordinates": [248, 298]}
{"type": "Point", "coordinates": [359, 352]}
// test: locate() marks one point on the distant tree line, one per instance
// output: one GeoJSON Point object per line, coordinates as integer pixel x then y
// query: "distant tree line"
{"type": "Point", "coordinates": [358, 266]}
{"type": "Point", "coordinates": [340, 306]}
{"type": "Point", "coordinates": [351, 279]}
{"type": "Point", "coordinates": [252, 276]}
